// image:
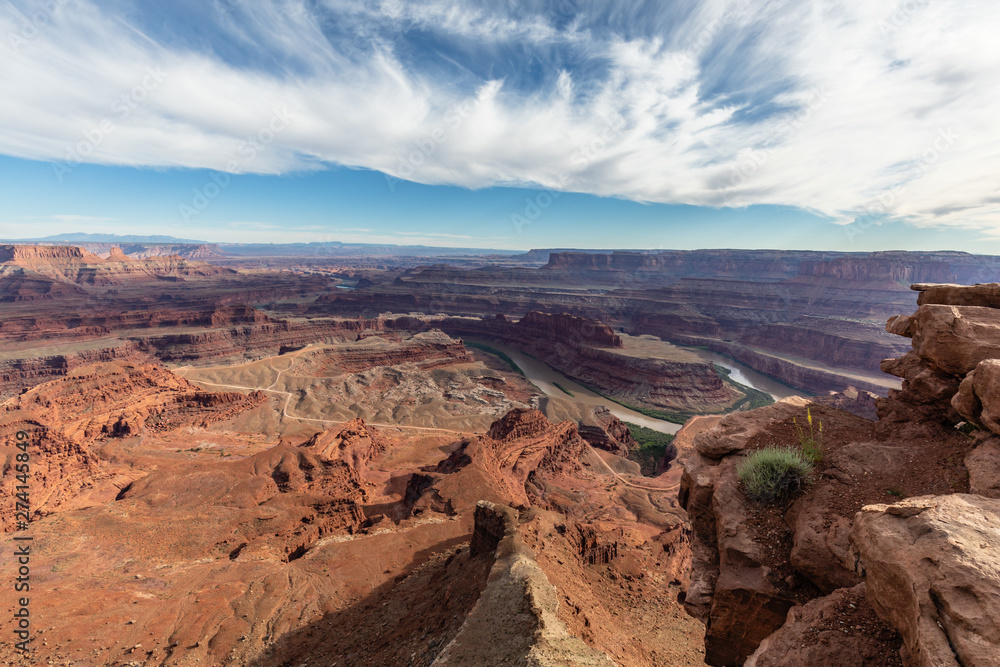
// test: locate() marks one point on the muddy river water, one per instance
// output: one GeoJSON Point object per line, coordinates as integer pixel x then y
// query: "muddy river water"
{"type": "Point", "coordinates": [545, 378]}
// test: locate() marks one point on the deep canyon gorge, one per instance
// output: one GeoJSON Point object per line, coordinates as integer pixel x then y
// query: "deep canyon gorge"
{"type": "Point", "coordinates": [528, 459]}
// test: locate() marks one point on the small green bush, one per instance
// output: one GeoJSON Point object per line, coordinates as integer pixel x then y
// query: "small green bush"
{"type": "Point", "coordinates": [773, 473]}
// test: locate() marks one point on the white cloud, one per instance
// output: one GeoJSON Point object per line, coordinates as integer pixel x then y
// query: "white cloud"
{"type": "Point", "coordinates": [884, 106]}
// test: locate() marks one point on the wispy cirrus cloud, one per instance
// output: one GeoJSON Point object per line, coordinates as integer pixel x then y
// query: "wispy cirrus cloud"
{"type": "Point", "coordinates": [847, 108]}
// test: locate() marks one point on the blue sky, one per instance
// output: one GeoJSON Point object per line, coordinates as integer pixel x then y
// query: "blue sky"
{"type": "Point", "coordinates": [840, 124]}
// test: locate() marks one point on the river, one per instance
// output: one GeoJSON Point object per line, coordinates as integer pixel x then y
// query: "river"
{"type": "Point", "coordinates": [545, 378]}
{"type": "Point", "coordinates": [748, 376]}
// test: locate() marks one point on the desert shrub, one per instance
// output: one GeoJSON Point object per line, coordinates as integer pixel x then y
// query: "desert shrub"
{"type": "Point", "coordinates": [773, 473]}
{"type": "Point", "coordinates": [811, 441]}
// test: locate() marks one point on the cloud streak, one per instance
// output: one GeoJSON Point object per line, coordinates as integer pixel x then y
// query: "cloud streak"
{"type": "Point", "coordinates": [835, 107]}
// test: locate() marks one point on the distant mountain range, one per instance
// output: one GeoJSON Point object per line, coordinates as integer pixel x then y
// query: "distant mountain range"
{"type": "Point", "coordinates": [82, 237]}
{"type": "Point", "coordinates": [329, 248]}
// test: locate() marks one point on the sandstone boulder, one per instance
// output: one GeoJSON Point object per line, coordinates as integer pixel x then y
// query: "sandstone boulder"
{"type": "Point", "coordinates": [978, 397]}
{"type": "Point", "coordinates": [983, 464]}
{"type": "Point", "coordinates": [831, 631]}
{"type": "Point", "coordinates": [820, 542]}
{"type": "Point", "coordinates": [922, 384]}
{"type": "Point", "coordinates": [932, 567]}
{"type": "Point", "coordinates": [732, 433]}
{"type": "Point", "coordinates": [955, 339]}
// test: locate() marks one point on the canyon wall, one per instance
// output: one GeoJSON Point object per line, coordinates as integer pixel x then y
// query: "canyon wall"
{"type": "Point", "coordinates": [17, 374]}
{"type": "Point", "coordinates": [799, 307]}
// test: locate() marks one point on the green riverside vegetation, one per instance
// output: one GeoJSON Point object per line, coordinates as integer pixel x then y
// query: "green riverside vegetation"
{"type": "Point", "coordinates": [652, 446]}
{"type": "Point", "coordinates": [563, 389]}
{"type": "Point", "coordinates": [752, 399]}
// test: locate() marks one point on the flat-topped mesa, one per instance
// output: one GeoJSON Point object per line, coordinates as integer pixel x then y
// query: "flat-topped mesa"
{"type": "Point", "coordinates": [21, 253]}
{"type": "Point", "coordinates": [77, 265]}
{"type": "Point", "coordinates": [570, 327]}
{"type": "Point", "coordinates": [781, 265]}
{"type": "Point", "coordinates": [877, 267]}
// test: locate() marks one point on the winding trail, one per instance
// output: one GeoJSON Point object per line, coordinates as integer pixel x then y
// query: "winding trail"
{"type": "Point", "coordinates": [611, 471]}
{"type": "Point", "coordinates": [182, 370]}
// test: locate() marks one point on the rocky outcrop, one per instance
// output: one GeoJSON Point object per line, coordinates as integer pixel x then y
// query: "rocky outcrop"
{"type": "Point", "coordinates": [931, 568]}
{"type": "Point", "coordinates": [517, 445]}
{"type": "Point", "coordinates": [429, 349]}
{"type": "Point", "coordinates": [65, 419]}
{"type": "Point", "coordinates": [983, 464]}
{"type": "Point", "coordinates": [839, 630]}
{"type": "Point", "coordinates": [608, 432]}
{"type": "Point", "coordinates": [983, 294]}
{"type": "Point", "coordinates": [924, 565]}
{"type": "Point", "coordinates": [266, 338]}
{"type": "Point", "coordinates": [731, 588]}
{"type": "Point", "coordinates": [120, 398]}
{"type": "Point", "coordinates": [26, 254]}
{"type": "Point", "coordinates": [318, 487]}
{"type": "Point", "coordinates": [354, 443]}
{"type": "Point", "coordinates": [978, 396]}
{"type": "Point", "coordinates": [515, 621]}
